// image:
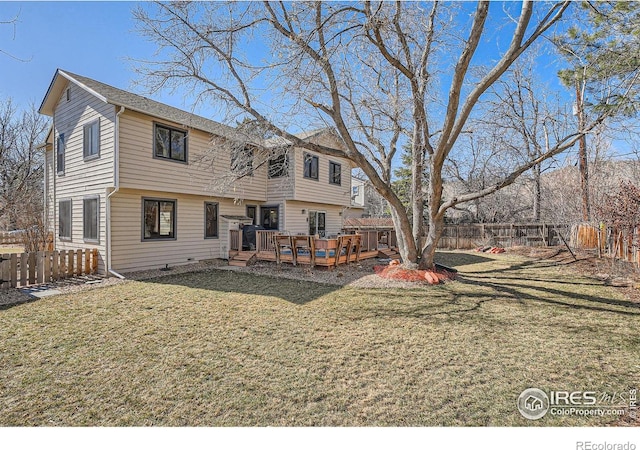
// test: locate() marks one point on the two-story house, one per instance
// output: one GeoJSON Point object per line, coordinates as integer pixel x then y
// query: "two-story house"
{"type": "Point", "coordinates": [127, 175]}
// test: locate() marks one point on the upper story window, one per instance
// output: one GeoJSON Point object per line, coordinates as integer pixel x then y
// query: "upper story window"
{"type": "Point", "coordinates": [242, 161]}
{"type": "Point", "coordinates": [91, 139]}
{"type": "Point", "coordinates": [279, 166]}
{"type": "Point", "coordinates": [60, 154]}
{"type": "Point", "coordinates": [310, 166]}
{"type": "Point", "coordinates": [335, 173]}
{"type": "Point", "coordinates": [170, 143]}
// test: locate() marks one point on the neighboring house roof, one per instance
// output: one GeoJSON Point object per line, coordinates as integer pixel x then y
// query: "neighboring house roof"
{"type": "Point", "coordinates": [368, 222]}
{"type": "Point", "coordinates": [131, 101]}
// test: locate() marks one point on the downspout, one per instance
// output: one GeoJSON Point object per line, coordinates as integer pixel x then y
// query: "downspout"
{"type": "Point", "coordinates": [116, 183]}
{"type": "Point", "coordinates": [45, 192]}
{"type": "Point", "coordinates": [55, 182]}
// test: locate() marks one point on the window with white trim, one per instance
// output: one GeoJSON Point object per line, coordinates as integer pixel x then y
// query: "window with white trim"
{"type": "Point", "coordinates": [64, 219]}
{"type": "Point", "coordinates": [91, 139]}
{"type": "Point", "coordinates": [60, 145]}
{"type": "Point", "coordinates": [90, 218]}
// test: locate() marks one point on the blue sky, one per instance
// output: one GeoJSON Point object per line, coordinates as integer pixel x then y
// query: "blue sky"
{"type": "Point", "coordinates": [95, 39]}
{"type": "Point", "coordinates": [98, 40]}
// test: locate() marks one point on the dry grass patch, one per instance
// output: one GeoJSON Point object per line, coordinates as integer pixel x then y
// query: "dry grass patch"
{"type": "Point", "coordinates": [225, 348]}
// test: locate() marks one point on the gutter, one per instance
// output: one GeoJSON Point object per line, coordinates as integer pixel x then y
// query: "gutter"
{"type": "Point", "coordinates": [116, 183]}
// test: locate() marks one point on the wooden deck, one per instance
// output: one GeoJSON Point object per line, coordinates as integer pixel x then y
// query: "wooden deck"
{"type": "Point", "coordinates": [309, 250]}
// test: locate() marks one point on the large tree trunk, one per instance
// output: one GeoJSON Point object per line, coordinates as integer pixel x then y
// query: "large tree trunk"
{"type": "Point", "coordinates": [582, 160]}
{"type": "Point", "coordinates": [436, 218]}
{"type": "Point", "coordinates": [407, 252]}
{"type": "Point", "coordinates": [436, 227]}
{"type": "Point", "coordinates": [417, 195]}
{"type": "Point", "coordinates": [537, 193]}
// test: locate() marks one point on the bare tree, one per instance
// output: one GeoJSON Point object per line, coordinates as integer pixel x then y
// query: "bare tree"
{"type": "Point", "coordinates": [11, 22]}
{"type": "Point", "coordinates": [21, 168]}
{"type": "Point", "coordinates": [527, 119]}
{"type": "Point", "coordinates": [368, 70]}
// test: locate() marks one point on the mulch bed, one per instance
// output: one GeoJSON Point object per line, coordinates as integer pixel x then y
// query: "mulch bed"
{"type": "Point", "coordinates": [395, 271]}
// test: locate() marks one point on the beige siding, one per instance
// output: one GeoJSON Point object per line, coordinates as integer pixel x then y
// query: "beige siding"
{"type": "Point", "coordinates": [281, 189]}
{"type": "Point", "coordinates": [297, 223]}
{"type": "Point", "coordinates": [49, 192]}
{"type": "Point", "coordinates": [130, 253]}
{"type": "Point", "coordinates": [83, 178]}
{"type": "Point", "coordinates": [320, 190]}
{"type": "Point", "coordinates": [207, 171]}
{"type": "Point", "coordinates": [353, 212]}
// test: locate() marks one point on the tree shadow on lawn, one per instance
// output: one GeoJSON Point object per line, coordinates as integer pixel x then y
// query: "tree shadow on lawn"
{"type": "Point", "coordinates": [457, 259]}
{"type": "Point", "coordinates": [424, 304]}
{"type": "Point", "coordinates": [298, 292]}
{"type": "Point", "coordinates": [508, 287]}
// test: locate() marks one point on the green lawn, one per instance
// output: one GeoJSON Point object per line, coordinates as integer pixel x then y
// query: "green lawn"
{"type": "Point", "coordinates": [223, 348]}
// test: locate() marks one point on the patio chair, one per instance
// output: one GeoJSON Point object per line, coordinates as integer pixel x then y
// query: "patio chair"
{"type": "Point", "coordinates": [282, 245]}
{"type": "Point", "coordinates": [303, 244]}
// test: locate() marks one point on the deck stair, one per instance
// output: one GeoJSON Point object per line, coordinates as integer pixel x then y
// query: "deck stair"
{"type": "Point", "coordinates": [388, 253]}
{"type": "Point", "coordinates": [242, 259]}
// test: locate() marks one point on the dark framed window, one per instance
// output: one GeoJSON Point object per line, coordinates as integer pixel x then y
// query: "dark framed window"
{"type": "Point", "coordinates": [269, 217]}
{"type": "Point", "coordinates": [64, 219]}
{"type": "Point", "coordinates": [279, 166]}
{"type": "Point", "coordinates": [90, 218]}
{"type": "Point", "coordinates": [310, 166]}
{"type": "Point", "coordinates": [169, 143]}
{"type": "Point", "coordinates": [158, 219]}
{"type": "Point", "coordinates": [91, 139]}
{"type": "Point", "coordinates": [335, 173]}
{"type": "Point", "coordinates": [60, 154]}
{"type": "Point", "coordinates": [210, 220]}
{"type": "Point", "coordinates": [242, 161]}
{"type": "Point", "coordinates": [252, 211]}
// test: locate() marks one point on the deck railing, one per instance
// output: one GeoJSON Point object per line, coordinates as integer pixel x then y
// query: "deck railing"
{"type": "Point", "coordinates": [235, 240]}
{"type": "Point", "coordinates": [264, 240]}
{"type": "Point", "coordinates": [369, 240]}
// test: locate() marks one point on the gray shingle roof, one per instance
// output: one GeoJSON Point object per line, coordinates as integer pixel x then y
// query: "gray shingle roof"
{"type": "Point", "coordinates": [153, 108]}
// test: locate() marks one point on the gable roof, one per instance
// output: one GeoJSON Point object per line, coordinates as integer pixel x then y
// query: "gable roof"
{"type": "Point", "coordinates": [131, 101]}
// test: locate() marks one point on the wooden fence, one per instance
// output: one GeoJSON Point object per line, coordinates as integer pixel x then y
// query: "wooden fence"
{"type": "Point", "coordinates": [20, 238]}
{"type": "Point", "coordinates": [24, 269]}
{"type": "Point", "coordinates": [623, 245]}
{"type": "Point", "coordinates": [11, 238]}
{"type": "Point", "coordinates": [463, 237]}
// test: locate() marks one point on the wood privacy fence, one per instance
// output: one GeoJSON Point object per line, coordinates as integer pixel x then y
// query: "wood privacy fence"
{"type": "Point", "coordinates": [11, 238]}
{"type": "Point", "coordinates": [21, 238]}
{"type": "Point", "coordinates": [624, 245]}
{"type": "Point", "coordinates": [464, 237]}
{"type": "Point", "coordinates": [24, 269]}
